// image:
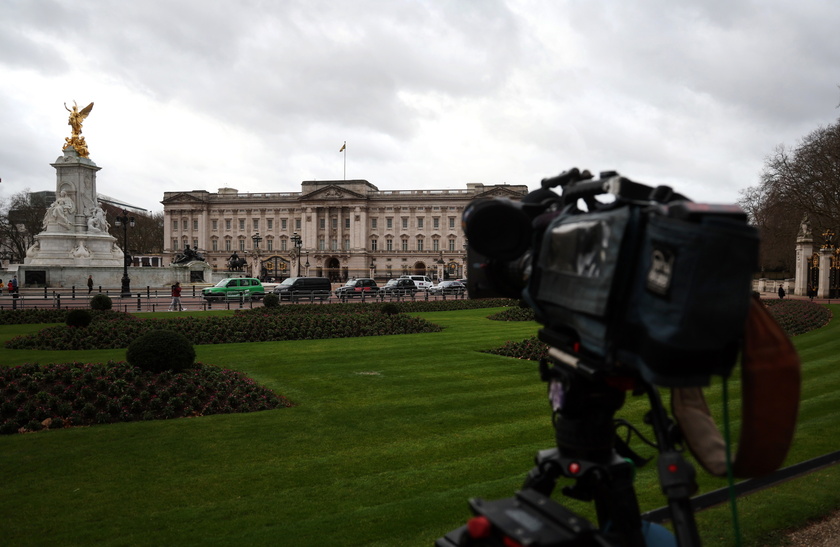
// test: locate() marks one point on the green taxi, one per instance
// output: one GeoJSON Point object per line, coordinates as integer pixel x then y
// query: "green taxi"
{"type": "Point", "coordinates": [232, 287]}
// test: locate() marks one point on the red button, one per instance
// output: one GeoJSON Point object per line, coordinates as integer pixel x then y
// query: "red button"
{"type": "Point", "coordinates": [479, 527]}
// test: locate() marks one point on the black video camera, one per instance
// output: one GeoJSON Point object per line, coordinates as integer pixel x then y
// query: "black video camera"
{"type": "Point", "coordinates": [646, 281]}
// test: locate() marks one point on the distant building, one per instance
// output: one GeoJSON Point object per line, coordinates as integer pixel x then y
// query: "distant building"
{"type": "Point", "coordinates": [346, 228]}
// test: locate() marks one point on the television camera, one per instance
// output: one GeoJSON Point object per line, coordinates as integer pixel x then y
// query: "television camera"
{"type": "Point", "coordinates": [636, 288]}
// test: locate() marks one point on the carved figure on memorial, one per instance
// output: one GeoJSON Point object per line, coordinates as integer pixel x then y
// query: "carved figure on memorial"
{"type": "Point", "coordinates": [97, 221]}
{"type": "Point", "coordinates": [60, 212]}
{"type": "Point", "coordinates": [80, 251]}
{"type": "Point", "coordinates": [76, 140]}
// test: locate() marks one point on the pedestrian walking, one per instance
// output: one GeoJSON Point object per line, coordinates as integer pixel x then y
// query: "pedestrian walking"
{"type": "Point", "coordinates": [176, 298]}
{"type": "Point", "coordinates": [781, 292]}
{"type": "Point", "coordinates": [90, 284]}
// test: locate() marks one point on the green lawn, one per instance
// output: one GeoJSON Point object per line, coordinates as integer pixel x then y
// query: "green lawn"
{"type": "Point", "coordinates": [390, 437]}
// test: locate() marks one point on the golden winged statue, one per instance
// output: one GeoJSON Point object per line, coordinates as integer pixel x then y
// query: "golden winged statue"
{"type": "Point", "coordinates": [76, 140]}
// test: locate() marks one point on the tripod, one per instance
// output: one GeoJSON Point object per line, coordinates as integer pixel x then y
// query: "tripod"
{"type": "Point", "coordinates": [589, 452]}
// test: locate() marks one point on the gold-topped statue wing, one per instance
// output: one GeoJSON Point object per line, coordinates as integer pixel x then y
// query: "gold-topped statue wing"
{"type": "Point", "coordinates": [75, 122]}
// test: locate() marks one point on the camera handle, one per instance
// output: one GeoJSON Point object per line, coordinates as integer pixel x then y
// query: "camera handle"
{"type": "Point", "coordinates": [586, 453]}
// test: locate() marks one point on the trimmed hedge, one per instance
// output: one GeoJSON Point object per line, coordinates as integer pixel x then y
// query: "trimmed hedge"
{"type": "Point", "coordinates": [160, 350]}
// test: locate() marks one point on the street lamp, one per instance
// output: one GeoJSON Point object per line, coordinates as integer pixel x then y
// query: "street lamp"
{"type": "Point", "coordinates": [296, 241]}
{"type": "Point", "coordinates": [256, 238]}
{"type": "Point", "coordinates": [125, 221]}
{"type": "Point", "coordinates": [306, 266]}
{"type": "Point", "coordinates": [372, 268]}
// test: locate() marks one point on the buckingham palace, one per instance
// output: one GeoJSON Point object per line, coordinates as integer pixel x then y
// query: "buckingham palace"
{"type": "Point", "coordinates": [334, 228]}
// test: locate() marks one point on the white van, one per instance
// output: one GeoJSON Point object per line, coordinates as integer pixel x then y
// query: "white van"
{"type": "Point", "coordinates": [423, 283]}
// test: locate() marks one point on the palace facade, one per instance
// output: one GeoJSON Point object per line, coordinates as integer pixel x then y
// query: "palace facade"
{"type": "Point", "coordinates": [336, 229]}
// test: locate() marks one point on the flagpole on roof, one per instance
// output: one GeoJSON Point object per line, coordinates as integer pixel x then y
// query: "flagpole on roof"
{"type": "Point", "coordinates": [344, 149]}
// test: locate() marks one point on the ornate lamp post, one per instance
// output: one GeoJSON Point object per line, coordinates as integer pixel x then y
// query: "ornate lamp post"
{"type": "Point", "coordinates": [256, 238]}
{"type": "Point", "coordinates": [372, 268]}
{"type": "Point", "coordinates": [125, 221]}
{"type": "Point", "coordinates": [296, 241]}
{"type": "Point", "coordinates": [306, 266]}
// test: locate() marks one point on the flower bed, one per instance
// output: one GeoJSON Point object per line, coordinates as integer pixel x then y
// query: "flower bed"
{"type": "Point", "coordinates": [251, 327]}
{"type": "Point", "coordinates": [798, 316]}
{"type": "Point", "coordinates": [514, 314]}
{"type": "Point", "coordinates": [794, 316]}
{"type": "Point", "coordinates": [35, 397]}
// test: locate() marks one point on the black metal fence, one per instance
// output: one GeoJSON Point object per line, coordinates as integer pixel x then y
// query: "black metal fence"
{"type": "Point", "coordinates": [151, 300]}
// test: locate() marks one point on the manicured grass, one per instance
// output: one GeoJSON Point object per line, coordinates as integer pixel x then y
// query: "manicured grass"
{"type": "Point", "coordinates": [390, 437]}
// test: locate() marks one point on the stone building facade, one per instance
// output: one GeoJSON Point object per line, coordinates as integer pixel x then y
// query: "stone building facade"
{"type": "Point", "coordinates": [336, 229]}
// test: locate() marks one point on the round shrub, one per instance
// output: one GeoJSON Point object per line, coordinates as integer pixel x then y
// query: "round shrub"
{"type": "Point", "coordinates": [101, 302]}
{"type": "Point", "coordinates": [78, 318]}
{"type": "Point", "coordinates": [390, 309]}
{"type": "Point", "coordinates": [271, 300]}
{"type": "Point", "coordinates": [160, 350]}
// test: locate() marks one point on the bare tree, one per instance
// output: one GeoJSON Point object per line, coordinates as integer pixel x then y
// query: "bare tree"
{"type": "Point", "coordinates": [21, 219]}
{"type": "Point", "coordinates": [795, 181]}
{"type": "Point", "coordinates": [145, 238]}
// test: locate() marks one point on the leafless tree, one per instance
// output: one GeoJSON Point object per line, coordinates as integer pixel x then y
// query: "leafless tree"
{"type": "Point", "coordinates": [795, 181]}
{"type": "Point", "coordinates": [21, 219]}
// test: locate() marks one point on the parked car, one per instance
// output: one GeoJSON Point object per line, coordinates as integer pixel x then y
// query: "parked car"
{"type": "Point", "coordinates": [399, 287]}
{"type": "Point", "coordinates": [232, 287]}
{"type": "Point", "coordinates": [358, 287]}
{"type": "Point", "coordinates": [423, 282]}
{"type": "Point", "coordinates": [449, 287]}
{"type": "Point", "coordinates": [304, 288]}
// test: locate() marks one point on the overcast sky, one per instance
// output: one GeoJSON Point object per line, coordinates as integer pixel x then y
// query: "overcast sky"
{"type": "Point", "coordinates": [261, 95]}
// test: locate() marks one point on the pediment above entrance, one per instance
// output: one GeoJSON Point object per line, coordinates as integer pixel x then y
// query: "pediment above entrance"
{"type": "Point", "coordinates": [332, 192]}
{"type": "Point", "coordinates": [501, 192]}
{"type": "Point", "coordinates": [181, 197]}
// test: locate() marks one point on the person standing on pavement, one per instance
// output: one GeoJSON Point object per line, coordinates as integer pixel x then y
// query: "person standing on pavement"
{"type": "Point", "coordinates": [176, 298]}
{"type": "Point", "coordinates": [90, 284]}
{"type": "Point", "coordinates": [781, 292]}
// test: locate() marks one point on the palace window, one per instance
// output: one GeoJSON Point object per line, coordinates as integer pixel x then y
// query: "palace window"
{"type": "Point", "coordinates": [373, 244]}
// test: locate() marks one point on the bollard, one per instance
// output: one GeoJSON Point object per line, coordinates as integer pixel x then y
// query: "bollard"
{"type": "Point", "coordinates": [73, 292]}
{"type": "Point", "coordinates": [241, 300]}
{"type": "Point", "coordinates": [45, 292]}
{"type": "Point", "coordinates": [148, 293]}
{"type": "Point", "coordinates": [138, 302]}
{"type": "Point", "coordinates": [57, 300]}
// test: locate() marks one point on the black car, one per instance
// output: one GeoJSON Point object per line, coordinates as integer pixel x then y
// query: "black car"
{"type": "Point", "coordinates": [304, 288]}
{"type": "Point", "coordinates": [399, 287]}
{"type": "Point", "coordinates": [357, 288]}
{"type": "Point", "coordinates": [449, 287]}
